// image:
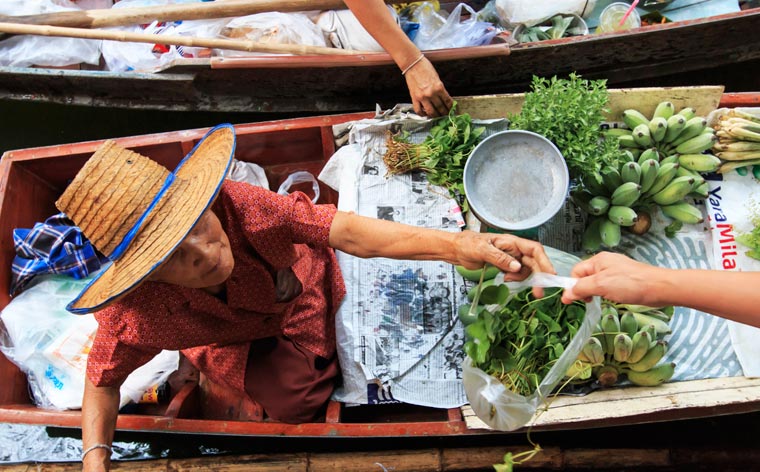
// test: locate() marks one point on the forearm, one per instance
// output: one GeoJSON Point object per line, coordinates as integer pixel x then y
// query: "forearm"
{"type": "Point", "coordinates": [370, 237]}
{"type": "Point", "coordinates": [732, 295]}
{"type": "Point", "coordinates": [100, 408]}
{"type": "Point", "coordinates": [380, 24]}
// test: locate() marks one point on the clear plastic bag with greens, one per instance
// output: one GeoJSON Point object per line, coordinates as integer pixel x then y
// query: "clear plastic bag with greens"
{"type": "Point", "coordinates": [497, 405]}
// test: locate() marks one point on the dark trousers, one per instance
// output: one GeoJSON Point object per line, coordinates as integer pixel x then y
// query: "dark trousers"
{"type": "Point", "coordinates": [291, 383]}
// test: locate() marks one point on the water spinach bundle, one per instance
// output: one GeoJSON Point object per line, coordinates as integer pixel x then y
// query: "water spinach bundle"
{"type": "Point", "coordinates": [442, 155]}
{"type": "Point", "coordinates": [517, 340]}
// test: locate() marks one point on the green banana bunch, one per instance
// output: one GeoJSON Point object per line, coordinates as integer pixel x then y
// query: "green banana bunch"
{"type": "Point", "coordinates": [627, 341]}
{"type": "Point", "coordinates": [668, 133]}
{"type": "Point", "coordinates": [655, 376]}
{"type": "Point", "coordinates": [659, 166]}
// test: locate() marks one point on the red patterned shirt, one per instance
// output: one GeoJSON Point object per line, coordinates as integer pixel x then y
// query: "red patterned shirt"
{"type": "Point", "coordinates": [267, 232]}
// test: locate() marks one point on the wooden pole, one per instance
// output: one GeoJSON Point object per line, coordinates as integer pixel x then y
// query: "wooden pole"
{"type": "Point", "coordinates": [174, 40]}
{"type": "Point", "coordinates": [187, 11]}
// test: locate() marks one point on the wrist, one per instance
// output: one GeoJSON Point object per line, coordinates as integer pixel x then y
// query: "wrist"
{"type": "Point", "coordinates": [663, 286]}
{"type": "Point", "coordinates": [412, 64]}
{"type": "Point", "coordinates": [98, 449]}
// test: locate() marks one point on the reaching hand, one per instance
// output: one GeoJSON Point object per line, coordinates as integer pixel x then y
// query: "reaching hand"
{"type": "Point", "coordinates": [429, 96]}
{"type": "Point", "coordinates": [517, 257]}
{"type": "Point", "coordinates": [614, 277]}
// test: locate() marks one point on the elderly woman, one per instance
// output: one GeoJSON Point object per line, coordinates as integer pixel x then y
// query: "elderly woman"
{"type": "Point", "coordinates": [246, 285]}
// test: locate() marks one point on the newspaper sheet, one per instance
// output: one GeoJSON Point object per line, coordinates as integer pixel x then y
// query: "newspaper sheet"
{"type": "Point", "coordinates": [398, 335]}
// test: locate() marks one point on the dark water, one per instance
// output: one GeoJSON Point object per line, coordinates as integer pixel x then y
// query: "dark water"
{"type": "Point", "coordinates": [24, 443]}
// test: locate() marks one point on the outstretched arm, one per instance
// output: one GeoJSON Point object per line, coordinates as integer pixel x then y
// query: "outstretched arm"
{"type": "Point", "coordinates": [731, 295]}
{"type": "Point", "coordinates": [100, 407]}
{"type": "Point", "coordinates": [428, 94]}
{"type": "Point", "coordinates": [370, 237]}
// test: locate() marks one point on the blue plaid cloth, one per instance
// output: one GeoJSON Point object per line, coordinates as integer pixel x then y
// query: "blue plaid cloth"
{"type": "Point", "coordinates": [56, 246]}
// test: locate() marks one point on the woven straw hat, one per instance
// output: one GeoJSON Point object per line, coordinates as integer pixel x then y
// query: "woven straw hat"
{"type": "Point", "coordinates": [136, 212]}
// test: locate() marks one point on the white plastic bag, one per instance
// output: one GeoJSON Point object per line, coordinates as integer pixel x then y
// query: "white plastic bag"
{"type": "Point", "coordinates": [272, 28]}
{"type": "Point", "coordinates": [437, 32]}
{"type": "Point", "coordinates": [50, 345]}
{"type": "Point", "coordinates": [254, 174]}
{"type": "Point", "coordinates": [300, 177]}
{"type": "Point", "coordinates": [145, 57]}
{"type": "Point", "coordinates": [531, 12]}
{"type": "Point", "coordinates": [503, 409]}
{"type": "Point", "coordinates": [344, 31]}
{"type": "Point", "coordinates": [26, 50]}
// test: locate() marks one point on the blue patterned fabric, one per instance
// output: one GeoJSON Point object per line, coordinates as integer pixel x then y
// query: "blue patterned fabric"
{"type": "Point", "coordinates": [53, 247]}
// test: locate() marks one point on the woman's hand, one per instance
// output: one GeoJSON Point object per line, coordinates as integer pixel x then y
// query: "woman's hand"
{"type": "Point", "coordinates": [516, 256]}
{"type": "Point", "coordinates": [428, 94]}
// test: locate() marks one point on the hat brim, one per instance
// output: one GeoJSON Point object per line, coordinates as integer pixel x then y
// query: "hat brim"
{"type": "Point", "coordinates": [199, 178]}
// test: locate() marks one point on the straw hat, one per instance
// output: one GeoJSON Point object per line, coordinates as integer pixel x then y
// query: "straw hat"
{"type": "Point", "coordinates": [135, 212]}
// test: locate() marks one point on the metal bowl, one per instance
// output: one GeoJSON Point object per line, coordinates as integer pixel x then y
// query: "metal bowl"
{"type": "Point", "coordinates": [515, 180]}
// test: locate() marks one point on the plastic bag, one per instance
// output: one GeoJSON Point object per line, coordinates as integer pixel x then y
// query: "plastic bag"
{"type": "Point", "coordinates": [503, 409]}
{"type": "Point", "coordinates": [26, 50]}
{"type": "Point", "coordinates": [531, 12]}
{"type": "Point", "coordinates": [94, 4]}
{"type": "Point", "coordinates": [125, 56]}
{"type": "Point", "coordinates": [300, 177]}
{"type": "Point", "coordinates": [437, 32]}
{"type": "Point", "coordinates": [273, 28]}
{"type": "Point", "coordinates": [50, 345]}
{"type": "Point", "coordinates": [254, 174]}
{"type": "Point", "coordinates": [344, 30]}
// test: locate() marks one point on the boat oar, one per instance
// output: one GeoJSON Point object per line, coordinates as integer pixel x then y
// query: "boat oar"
{"type": "Point", "coordinates": [186, 11]}
{"type": "Point", "coordinates": [174, 40]}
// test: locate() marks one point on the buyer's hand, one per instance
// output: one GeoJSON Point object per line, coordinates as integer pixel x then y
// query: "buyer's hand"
{"type": "Point", "coordinates": [614, 277]}
{"type": "Point", "coordinates": [428, 94]}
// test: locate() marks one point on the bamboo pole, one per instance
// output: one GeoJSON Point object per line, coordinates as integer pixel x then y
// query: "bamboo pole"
{"type": "Point", "coordinates": [188, 11]}
{"type": "Point", "coordinates": [174, 40]}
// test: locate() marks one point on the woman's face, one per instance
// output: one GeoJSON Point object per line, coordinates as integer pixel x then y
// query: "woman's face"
{"type": "Point", "coordinates": [203, 260]}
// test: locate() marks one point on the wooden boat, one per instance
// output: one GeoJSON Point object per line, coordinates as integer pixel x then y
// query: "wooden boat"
{"type": "Point", "coordinates": [31, 179]}
{"type": "Point", "coordinates": [694, 52]}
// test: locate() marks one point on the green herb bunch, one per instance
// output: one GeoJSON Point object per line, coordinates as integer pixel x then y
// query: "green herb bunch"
{"type": "Point", "coordinates": [569, 112]}
{"type": "Point", "coordinates": [520, 341]}
{"type": "Point", "coordinates": [751, 239]}
{"type": "Point", "coordinates": [442, 155]}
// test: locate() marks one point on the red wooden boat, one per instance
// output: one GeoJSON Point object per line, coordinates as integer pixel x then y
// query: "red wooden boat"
{"type": "Point", "coordinates": [31, 180]}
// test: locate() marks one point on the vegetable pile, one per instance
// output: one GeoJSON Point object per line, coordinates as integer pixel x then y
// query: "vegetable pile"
{"type": "Point", "coordinates": [751, 239]}
{"type": "Point", "coordinates": [517, 339]}
{"type": "Point", "coordinates": [738, 143]}
{"type": "Point", "coordinates": [442, 155]}
{"type": "Point", "coordinates": [569, 112]}
{"type": "Point", "coordinates": [560, 28]}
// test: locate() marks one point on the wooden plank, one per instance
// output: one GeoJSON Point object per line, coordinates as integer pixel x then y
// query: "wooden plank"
{"type": "Point", "coordinates": [628, 457]}
{"type": "Point", "coordinates": [443, 460]}
{"type": "Point", "coordinates": [631, 405]}
{"type": "Point", "coordinates": [477, 458]}
{"type": "Point", "coordinates": [398, 461]}
{"type": "Point", "coordinates": [703, 99]}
